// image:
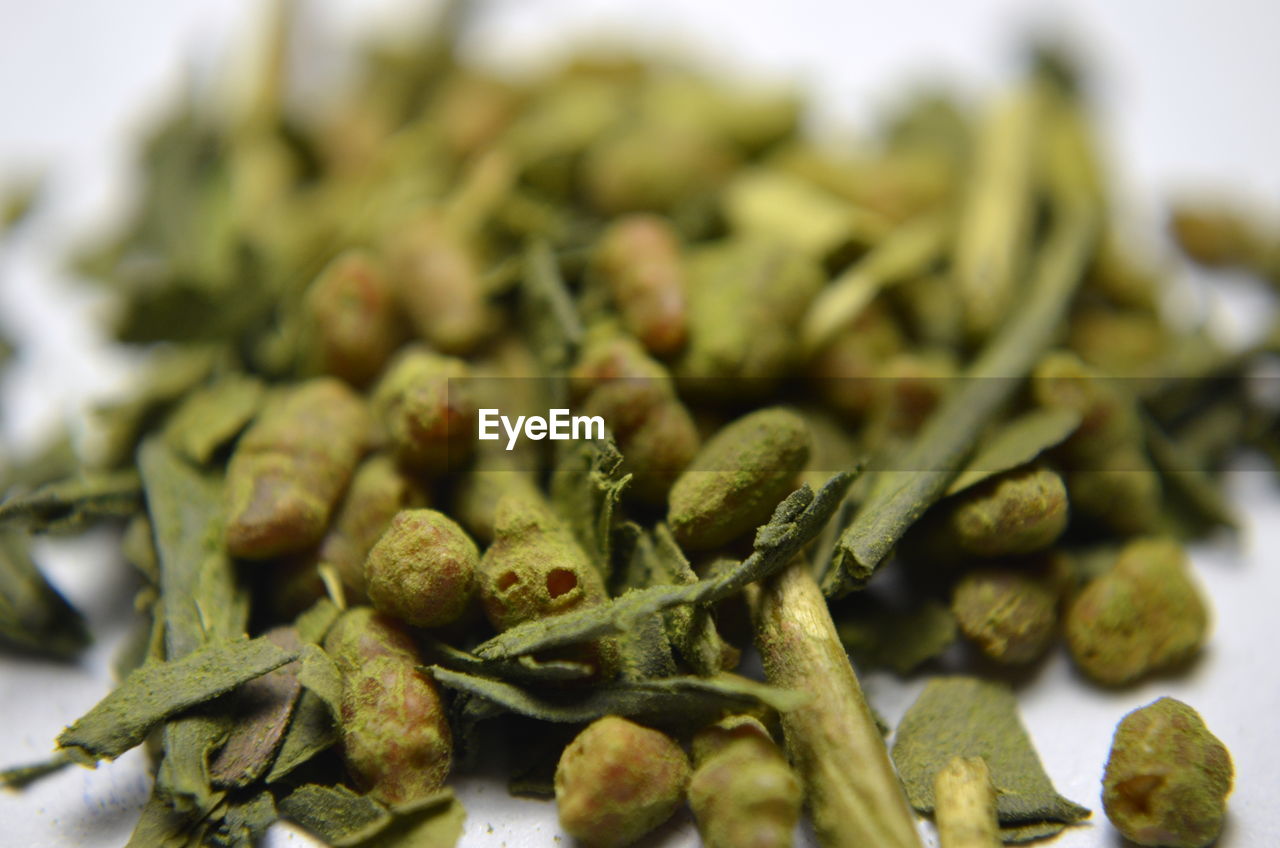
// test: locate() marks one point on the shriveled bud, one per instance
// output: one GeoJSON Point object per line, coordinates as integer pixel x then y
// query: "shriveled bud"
{"type": "Point", "coordinates": [353, 318]}
{"type": "Point", "coordinates": [423, 569]}
{"type": "Point", "coordinates": [378, 491]}
{"type": "Point", "coordinates": [1010, 615]}
{"type": "Point", "coordinates": [743, 793]}
{"type": "Point", "coordinates": [424, 410]}
{"type": "Point", "coordinates": [437, 275]}
{"type": "Point", "coordinates": [534, 568]}
{"type": "Point", "coordinates": [739, 476]}
{"type": "Point", "coordinates": [747, 298]}
{"type": "Point", "coordinates": [1121, 491]}
{"type": "Point", "coordinates": [1018, 512]}
{"type": "Point", "coordinates": [847, 371]}
{"type": "Point", "coordinates": [396, 740]}
{"type": "Point", "coordinates": [1143, 615]}
{"type": "Point", "coordinates": [639, 259]}
{"type": "Point", "coordinates": [617, 781]}
{"type": "Point", "coordinates": [291, 467]}
{"type": "Point", "coordinates": [634, 394]}
{"type": "Point", "coordinates": [1167, 777]}
{"type": "Point", "coordinates": [1109, 420]}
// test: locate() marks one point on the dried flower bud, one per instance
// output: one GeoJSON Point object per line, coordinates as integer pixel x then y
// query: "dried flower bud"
{"type": "Point", "coordinates": [1215, 235]}
{"type": "Point", "coordinates": [423, 569]}
{"type": "Point", "coordinates": [846, 372]}
{"type": "Point", "coordinates": [438, 278]}
{"type": "Point", "coordinates": [738, 477]}
{"type": "Point", "coordinates": [907, 390]}
{"type": "Point", "coordinates": [1010, 615]}
{"type": "Point", "coordinates": [1167, 777]}
{"type": "Point", "coordinates": [652, 167]}
{"type": "Point", "coordinates": [639, 259]}
{"type": "Point", "coordinates": [424, 410]}
{"type": "Point", "coordinates": [1109, 420]}
{"type": "Point", "coordinates": [743, 793]}
{"type": "Point", "coordinates": [1017, 512]}
{"type": "Point", "coordinates": [378, 491]}
{"type": "Point", "coordinates": [291, 467]}
{"type": "Point", "coordinates": [396, 740]}
{"type": "Point", "coordinates": [534, 568]}
{"type": "Point", "coordinates": [747, 298]}
{"type": "Point", "coordinates": [1120, 491]}
{"type": "Point", "coordinates": [1143, 615]}
{"type": "Point", "coordinates": [352, 318]}
{"type": "Point", "coordinates": [617, 781]}
{"type": "Point", "coordinates": [1129, 342]}
{"type": "Point", "coordinates": [633, 393]}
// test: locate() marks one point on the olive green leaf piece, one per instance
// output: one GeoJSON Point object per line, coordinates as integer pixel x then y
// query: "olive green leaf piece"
{"type": "Point", "coordinates": [967, 717]}
{"type": "Point", "coordinates": [1016, 443]}
{"type": "Point", "coordinates": [796, 521]}
{"type": "Point", "coordinates": [551, 317]}
{"type": "Point", "coordinates": [586, 488]}
{"type": "Point", "coordinates": [242, 824]}
{"type": "Point", "coordinates": [34, 616]}
{"type": "Point", "coordinates": [69, 505]}
{"type": "Point", "coordinates": [20, 777]}
{"type": "Point", "coordinates": [313, 726]}
{"type": "Point", "coordinates": [343, 819]}
{"type": "Point", "coordinates": [211, 417]}
{"type": "Point", "coordinates": [901, 640]}
{"type": "Point", "coordinates": [673, 700]}
{"type": "Point", "coordinates": [157, 691]}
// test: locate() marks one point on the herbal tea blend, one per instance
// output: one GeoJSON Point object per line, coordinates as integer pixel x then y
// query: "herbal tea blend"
{"type": "Point", "coordinates": [488, 422]}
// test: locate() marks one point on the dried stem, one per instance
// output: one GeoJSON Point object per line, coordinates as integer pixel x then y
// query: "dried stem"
{"type": "Point", "coordinates": [853, 794]}
{"type": "Point", "coordinates": [965, 805]}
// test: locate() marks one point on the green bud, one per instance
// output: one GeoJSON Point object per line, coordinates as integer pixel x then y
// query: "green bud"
{"type": "Point", "coordinates": [396, 740]}
{"type": "Point", "coordinates": [1216, 235]}
{"type": "Point", "coordinates": [846, 372]}
{"type": "Point", "coordinates": [1010, 615]}
{"type": "Point", "coordinates": [633, 393]}
{"type": "Point", "coordinates": [742, 791]}
{"type": "Point", "coordinates": [1167, 777]}
{"type": "Point", "coordinates": [1143, 615]}
{"type": "Point", "coordinates": [437, 276]}
{"type": "Point", "coordinates": [1018, 512]}
{"type": "Point", "coordinates": [423, 569]}
{"type": "Point", "coordinates": [617, 781]}
{"type": "Point", "coordinates": [639, 259]}
{"type": "Point", "coordinates": [424, 411]}
{"type": "Point", "coordinates": [1109, 420]}
{"type": "Point", "coordinates": [739, 476]}
{"type": "Point", "coordinates": [352, 318]}
{"type": "Point", "coordinates": [905, 393]}
{"type": "Point", "coordinates": [290, 468]}
{"type": "Point", "coordinates": [1120, 491]}
{"type": "Point", "coordinates": [747, 298]}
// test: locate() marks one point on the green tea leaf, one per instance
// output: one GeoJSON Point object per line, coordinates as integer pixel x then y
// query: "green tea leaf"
{"type": "Point", "coordinates": [900, 640]}
{"type": "Point", "coordinates": [157, 691]}
{"type": "Point", "coordinates": [312, 729]}
{"type": "Point", "coordinates": [920, 476]}
{"type": "Point", "coordinates": [20, 777]}
{"type": "Point", "coordinates": [342, 818]}
{"type": "Point", "coordinates": [33, 614]}
{"type": "Point", "coordinates": [795, 522]}
{"type": "Point", "coordinates": [682, 700]}
{"type": "Point", "coordinates": [245, 823]}
{"type": "Point", "coordinates": [552, 320]}
{"type": "Point", "coordinates": [259, 713]}
{"type": "Point", "coordinates": [1016, 443]}
{"type": "Point", "coordinates": [967, 717]}
{"type": "Point", "coordinates": [1189, 482]}
{"type": "Point", "coordinates": [69, 505]}
{"type": "Point", "coordinates": [586, 488]}
{"type": "Point", "coordinates": [211, 417]}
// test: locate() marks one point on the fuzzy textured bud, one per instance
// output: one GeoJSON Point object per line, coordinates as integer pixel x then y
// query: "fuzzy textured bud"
{"type": "Point", "coordinates": [423, 408]}
{"type": "Point", "coordinates": [1010, 615]}
{"type": "Point", "coordinates": [423, 569]}
{"type": "Point", "coordinates": [1167, 777]}
{"type": "Point", "coordinates": [291, 467]}
{"type": "Point", "coordinates": [739, 476]}
{"type": "Point", "coordinates": [352, 318]}
{"type": "Point", "coordinates": [396, 740]}
{"type": "Point", "coordinates": [638, 257]}
{"type": "Point", "coordinates": [1143, 615]}
{"type": "Point", "coordinates": [617, 781]}
{"type": "Point", "coordinates": [743, 793]}
{"type": "Point", "coordinates": [1018, 512]}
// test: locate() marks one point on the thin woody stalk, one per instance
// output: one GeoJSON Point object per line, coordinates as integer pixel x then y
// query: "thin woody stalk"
{"type": "Point", "coordinates": [853, 794]}
{"type": "Point", "coordinates": [965, 805]}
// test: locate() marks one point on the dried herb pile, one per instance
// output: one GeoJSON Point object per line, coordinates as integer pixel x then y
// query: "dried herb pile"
{"type": "Point", "coordinates": [931, 350]}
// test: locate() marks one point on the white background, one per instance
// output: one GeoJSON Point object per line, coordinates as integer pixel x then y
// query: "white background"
{"type": "Point", "coordinates": [1186, 94]}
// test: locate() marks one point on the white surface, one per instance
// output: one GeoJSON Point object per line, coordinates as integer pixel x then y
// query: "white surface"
{"type": "Point", "coordinates": [1186, 90]}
